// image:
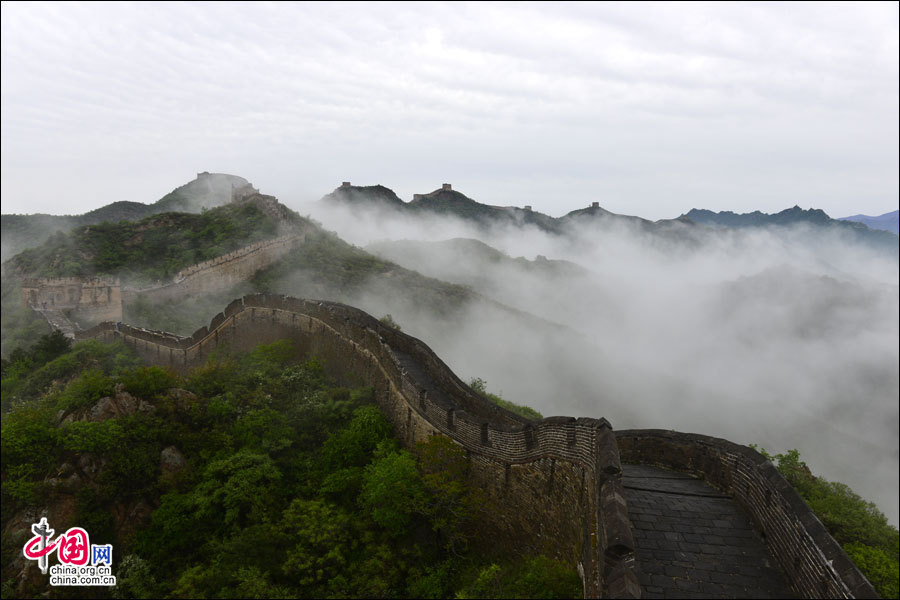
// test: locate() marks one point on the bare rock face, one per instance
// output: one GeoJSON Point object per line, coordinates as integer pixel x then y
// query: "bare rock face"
{"type": "Point", "coordinates": [60, 512]}
{"type": "Point", "coordinates": [183, 399]}
{"type": "Point", "coordinates": [110, 408]}
{"type": "Point", "coordinates": [121, 404]}
{"type": "Point", "coordinates": [171, 461]}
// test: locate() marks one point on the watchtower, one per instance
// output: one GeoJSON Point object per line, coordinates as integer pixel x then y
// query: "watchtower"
{"type": "Point", "coordinates": [242, 192]}
{"type": "Point", "coordinates": [446, 187]}
{"type": "Point", "coordinates": [345, 184]}
{"type": "Point", "coordinates": [595, 205]}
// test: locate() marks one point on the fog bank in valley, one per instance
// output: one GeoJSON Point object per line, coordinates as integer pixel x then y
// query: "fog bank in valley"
{"type": "Point", "coordinates": [786, 339]}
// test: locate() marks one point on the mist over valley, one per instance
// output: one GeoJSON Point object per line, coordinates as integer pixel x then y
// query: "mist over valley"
{"type": "Point", "coordinates": [530, 300]}
{"type": "Point", "coordinates": [782, 336]}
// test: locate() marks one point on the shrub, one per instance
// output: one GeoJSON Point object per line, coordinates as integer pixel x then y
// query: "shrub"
{"type": "Point", "coordinates": [148, 382]}
{"type": "Point", "coordinates": [479, 385]}
{"type": "Point", "coordinates": [861, 529]}
{"type": "Point", "coordinates": [89, 387]}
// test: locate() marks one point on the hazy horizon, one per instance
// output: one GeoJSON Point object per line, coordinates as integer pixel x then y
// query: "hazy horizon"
{"type": "Point", "coordinates": [648, 109]}
{"type": "Point", "coordinates": [409, 197]}
{"type": "Point", "coordinates": [783, 338]}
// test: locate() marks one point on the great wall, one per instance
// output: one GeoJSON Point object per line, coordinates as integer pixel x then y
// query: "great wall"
{"type": "Point", "coordinates": [642, 513]}
{"type": "Point", "coordinates": [68, 302]}
{"type": "Point", "coordinates": [557, 484]}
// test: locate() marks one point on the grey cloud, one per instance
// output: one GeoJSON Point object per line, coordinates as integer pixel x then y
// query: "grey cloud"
{"type": "Point", "coordinates": [303, 95]}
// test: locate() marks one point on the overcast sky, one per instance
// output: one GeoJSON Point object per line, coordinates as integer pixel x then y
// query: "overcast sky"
{"type": "Point", "coordinates": [649, 109]}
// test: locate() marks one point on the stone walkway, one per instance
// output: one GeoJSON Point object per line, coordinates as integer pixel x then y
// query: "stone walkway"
{"type": "Point", "coordinates": [58, 320]}
{"type": "Point", "coordinates": [691, 541]}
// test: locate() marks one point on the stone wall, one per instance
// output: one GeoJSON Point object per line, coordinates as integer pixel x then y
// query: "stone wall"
{"type": "Point", "coordinates": [814, 563]}
{"type": "Point", "coordinates": [89, 300]}
{"type": "Point", "coordinates": [218, 274]}
{"type": "Point", "coordinates": [554, 484]}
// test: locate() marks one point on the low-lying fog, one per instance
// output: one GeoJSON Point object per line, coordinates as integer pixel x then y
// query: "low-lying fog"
{"type": "Point", "coordinates": [786, 340]}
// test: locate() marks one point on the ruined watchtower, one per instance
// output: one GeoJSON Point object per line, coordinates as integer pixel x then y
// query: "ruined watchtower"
{"type": "Point", "coordinates": [91, 299]}
{"type": "Point", "coordinates": [242, 192]}
{"type": "Point", "coordinates": [446, 187]}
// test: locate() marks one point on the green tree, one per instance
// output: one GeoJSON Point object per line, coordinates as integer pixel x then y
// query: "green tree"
{"type": "Point", "coordinates": [392, 490]}
{"type": "Point", "coordinates": [451, 503]}
{"type": "Point", "coordinates": [237, 489]}
{"type": "Point", "coordinates": [324, 540]}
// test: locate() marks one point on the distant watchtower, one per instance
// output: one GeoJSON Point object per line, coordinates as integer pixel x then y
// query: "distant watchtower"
{"type": "Point", "coordinates": [528, 207]}
{"type": "Point", "coordinates": [446, 187]}
{"type": "Point", "coordinates": [595, 205]}
{"type": "Point", "coordinates": [240, 193]}
{"type": "Point", "coordinates": [345, 184]}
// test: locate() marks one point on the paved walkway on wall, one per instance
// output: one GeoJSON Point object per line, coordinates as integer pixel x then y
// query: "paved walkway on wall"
{"type": "Point", "coordinates": [58, 320]}
{"type": "Point", "coordinates": [691, 541]}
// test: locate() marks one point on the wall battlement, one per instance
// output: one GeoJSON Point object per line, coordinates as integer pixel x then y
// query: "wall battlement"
{"type": "Point", "coordinates": [239, 193]}
{"type": "Point", "coordinates": [220, 273]}
{"type": "Point", "coordinates": [282, 241]}
{"type": "Point", "coordinates": [92, 299]}
{"type": "Point", "coordinates": [813, 562]}
{"type": "Point", "coordinates": [556, 483]}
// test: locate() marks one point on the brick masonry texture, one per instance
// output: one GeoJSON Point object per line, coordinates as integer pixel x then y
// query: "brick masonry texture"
{"type": "Point", "coordinates": [556, 484]}
{"type": "Point", "coordinates": [695, 542]}
{"type": "Point", "coordinates": [813, 563]}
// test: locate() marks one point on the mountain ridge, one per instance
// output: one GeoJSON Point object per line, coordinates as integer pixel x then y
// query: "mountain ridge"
{"type": "Point", "coordinates": [208, 190]}
{"type": "Point", "coordinates": [889, 221]}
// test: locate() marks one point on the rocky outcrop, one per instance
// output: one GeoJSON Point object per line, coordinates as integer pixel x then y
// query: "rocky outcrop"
{"type": "Point", "coordinates": [120, 404]}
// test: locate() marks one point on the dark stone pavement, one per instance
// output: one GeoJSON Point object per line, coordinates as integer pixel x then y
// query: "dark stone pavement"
{"type": "Point", "coordinates": [692, 541]}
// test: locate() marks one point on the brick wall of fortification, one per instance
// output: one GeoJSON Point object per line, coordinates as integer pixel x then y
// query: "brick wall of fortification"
{"type": "Point", "coordinates": [554, 485]}
{"type": "Point", "coordinates": [218, 274]}
{"type": "Point", "coordinates": [814, 563]}
{"type": "Point", "coordinates": [89, 300]}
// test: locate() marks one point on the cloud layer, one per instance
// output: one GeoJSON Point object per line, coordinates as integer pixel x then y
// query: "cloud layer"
{"type": "Point", "coordinates": [649, 109]}
{"type": "Point", "coordinates": [786, 339]}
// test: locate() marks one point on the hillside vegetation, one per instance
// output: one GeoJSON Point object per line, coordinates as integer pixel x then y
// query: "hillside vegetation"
{"type": "Point", "coordinates": [154, 248]}
{"type": "Point", "coordinates": [27, 231]}
{"type": "Point", "coordinates": [250, 477]}
{"type": "Point", "coordinates": [857, 525]}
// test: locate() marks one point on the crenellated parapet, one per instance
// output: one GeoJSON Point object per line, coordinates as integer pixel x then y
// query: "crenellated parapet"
{"type": "Point", "coordinates": [89, 299]}
{"type": "Point", "coordinates": [813, 562]}
{"type": "Point", "coordinates": [220, 273]}
{"type": "Point", "coordinates": [555, 484]}
{"type": "Point", "coordinates": [285, 241]}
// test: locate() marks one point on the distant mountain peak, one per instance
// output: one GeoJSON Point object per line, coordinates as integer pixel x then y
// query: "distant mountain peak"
{"type": "Point", "coordinates": [813, 217]}
{"type": "Point", "coordinates": [361, 195]}
{"type": "Point", "coordinates": [727, 218]}
{"type": "Point", "coordinates": [889, 221]}
{"type": "Point", "coordinates": [445, 193]}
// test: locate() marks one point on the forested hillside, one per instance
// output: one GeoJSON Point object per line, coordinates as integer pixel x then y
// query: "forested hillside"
{"type": "Point", "coordinates": [150, 249]}
{"type": "Point", "coordinates": [250, 477]}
